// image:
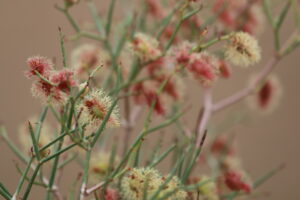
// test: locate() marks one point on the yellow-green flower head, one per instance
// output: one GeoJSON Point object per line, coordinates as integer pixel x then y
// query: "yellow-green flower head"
{"type": "Point", "coordinates": [174, 185]}
{"type": "Point", "coordinates": [208, 191]}
{"type": "Point", "coordinates": [100, 163]}
{"type": "Point", "coordinates": [243, 50]}
{"type": "Point", "coordinates": [134, 183]}
{"type": "Point", "coordinates": [94, 107]}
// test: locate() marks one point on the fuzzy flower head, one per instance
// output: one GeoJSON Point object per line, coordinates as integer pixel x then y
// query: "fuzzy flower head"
{"type": "Point", "coordinates": [100, 163]}
{"type": "Point", "coordinates": [234, 176]}
{"type": "Point", "coordinates": [243, 50]}
{"type": "Point", "coordinates": [134, 183]}
{"type": "Point", "coordinates": [204, 68]}
{"type": "Point", "coordinates": [63, 80]}
{"type": "Point", "coordinates": [57, 87]}
{"type": "Point", "coordinates": [267, 97]}
{"type": "Point", "coordinates": [208, 190]}
{"type": "Point", "coordinates": [174, 185]}
{"type": "Point", "coordinates": [144, 47]}
{"type": "Point", "coordinates": [39, 64]}
{"type": "Point", "coordinates": [111, 194]}
{"type": "Point", "coordinates": [235, 181]}
{"type": "Point", "coordinates": [94, 107]}
{"type": "Point", "coordinates": [47, 92]}
{"type": "Point", "coordinates": [86, 58]}
{"type": "Point", "coordinates": [181, 53]}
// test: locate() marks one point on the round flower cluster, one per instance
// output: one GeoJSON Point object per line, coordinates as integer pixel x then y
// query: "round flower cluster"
{"type": "Point", "coordinates": [144, 47]}
{"type": "Point", "coordinates": [134, 183]}
{"type": "Point", "coordinates": [51, 85]}
{"type": "Point", "coordinates": [94, 107]}
{"type": "Point", "coordinates": [243, 50]}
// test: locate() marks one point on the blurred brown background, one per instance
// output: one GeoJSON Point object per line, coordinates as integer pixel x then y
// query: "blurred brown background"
{"type": "Point", "coordinates": [31, 27]}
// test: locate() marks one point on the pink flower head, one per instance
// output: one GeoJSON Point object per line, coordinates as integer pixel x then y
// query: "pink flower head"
{"type": "Point", "coordinates": [46, 92]}
{"type": "Point", "coordinates": [145, 47]}
{"type": "Point", "coordinates": [221, 146]}
{"type": "Point", "coordinates": [39, 64]}
{"type": "Point", "coordinates": [204, 67]}
{"type": "Point", "coordinates": [225, 70]}
{"type": "Point", "coordinates": [64, 80]}
{"type": "Point", "coordinates": [156, 65]}
{"type": "Point", "coordinates": [154, 8]}
{"type": "Point", "coordinates": [170, 87]}
{"type": "Point", "coordinates": [268, 95]}
{"type": "Point", "coordinates": [146, 94]}
{"type": "Point", "coordinates": [181, 53]}
{"type": "Point", "coordinates": [234, 181]}
{"type": "Point", "coordinates": [111, 194]}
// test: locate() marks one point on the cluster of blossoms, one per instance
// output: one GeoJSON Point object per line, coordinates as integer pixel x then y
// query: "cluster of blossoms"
{"type": "Point", "coordinates": [137, 179]}
{"type": "Point", "coordinates": [51, 85]}
{"type": "Point", "coordinates": [239, 15]}
{"type": "Point", "coordinates": [87, 103]}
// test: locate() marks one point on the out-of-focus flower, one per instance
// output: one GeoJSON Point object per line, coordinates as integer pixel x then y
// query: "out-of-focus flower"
{"type": "Point", "coordinates": [234, 176]}
{"type": "Point", "coordinates": [144, 47]}
{"type": "Point", "coordinates": [267, 97]}
{"type": "Point", "coordinates": [238, 15]}
{"type": "Point", "coordinates": [243, 50]}
{"type": "Point", "coordinates": [204, 67]}
{"type": "Point", "coordinates": [134, 183]}
{"type": "Point", "coordinates": [39, 64]}
{"type": "Point", "coordinates": [154, 8]}
{"type": "Point", "coordinates": [46, 136]}
{"type": "Point", "coordinates": [174, 185]}
{"type": "Point", "coordinates": [221, 147]}
{"type": "Point", "coordinates": [111, 194]}
{"type": "Point", "coordinates": [225, 70]}
{"type": "Point", "coordinates": [146, 94]}
{"type": "Point", "coordinates": [99, 164]}
{"type": "Point", "coordinates": [146, 91]}
{"type": "Point", "coordinates": [94, 107]}
{"type": "Point", "coordinates": [181, 53]}
{"type": "Point", "coordinates": [235, 182]}
{"type": "Point", "coordinates": [208, 190]}
{"type": "Point", "coordinates": [86, 58]}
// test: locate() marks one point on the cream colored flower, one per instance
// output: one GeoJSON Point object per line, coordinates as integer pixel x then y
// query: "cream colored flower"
{"type": "Point", "coordinates": [94, 107]}
{"type": "Point", "coordinates": [243, 50]}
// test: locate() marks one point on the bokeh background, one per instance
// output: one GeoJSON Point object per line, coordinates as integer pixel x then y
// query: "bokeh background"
{"type": "Point", "coordinates": [31, 28]}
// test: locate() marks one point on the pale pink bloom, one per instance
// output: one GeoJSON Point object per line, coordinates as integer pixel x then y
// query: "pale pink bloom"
{"type": "Point", "coordinates": [86, 58]}
{"type": "Point", "coordinates": [145, 47]}
{"type": "Point", "coordinates": [235, 182]}
{"type": "Point", "coordinates": [225, 70]}
{"type": "Point", "coordinates": [63, 80]}
{"type": "Point", "coordinates": [267, 97]}
{"type": "Point", "coordinates": [204, 68]}
{"type": "Point", "coordinates": [111, 194]}
{"type": "Point", "coordinates": [47, 92]}
{"type": "Point", "coordinates": [39, 64]}
{"type": "Point", "coordinates": [154, 8]}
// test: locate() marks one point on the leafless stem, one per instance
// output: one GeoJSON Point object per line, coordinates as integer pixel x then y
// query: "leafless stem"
{"type": "Point", "coordinates": [94, 188]}
{"type": "Point", "coordinates": [249, 89]}
{"type": "Point", "coordinates": [209, 108]}
{"type": "Point", "coordinates": [207, 112]}
{"type": "Point", "coordinates": [128, 127]}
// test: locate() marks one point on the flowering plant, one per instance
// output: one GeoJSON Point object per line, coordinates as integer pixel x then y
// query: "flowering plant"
{"type": "Point", "coordinates": [135, 68]}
